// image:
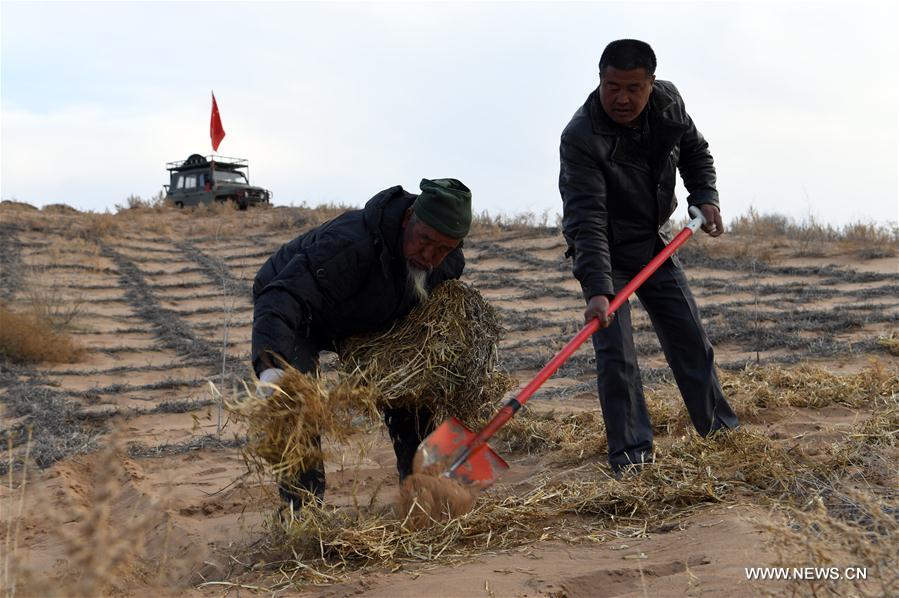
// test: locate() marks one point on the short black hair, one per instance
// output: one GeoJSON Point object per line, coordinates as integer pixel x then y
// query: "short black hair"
{"type": "Point", "coordinates": [628, 54]}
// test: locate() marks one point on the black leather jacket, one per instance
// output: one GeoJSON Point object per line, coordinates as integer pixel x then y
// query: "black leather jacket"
{"type": "Point", "coordinates": [343, 278]}
{"type": "Point", "coordinates": [618, 188]}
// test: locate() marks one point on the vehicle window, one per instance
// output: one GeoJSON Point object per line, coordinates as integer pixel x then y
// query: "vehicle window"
{"type": "Point", "coordinates": [180, 183]}
{"type": "Point", "coordinates": [190, 182]}
{"type": "Point", "coordinates": [225, 176]}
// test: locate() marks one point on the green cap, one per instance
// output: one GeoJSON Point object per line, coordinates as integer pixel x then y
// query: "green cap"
{"type": "Point", "coordinates": [445, 204]}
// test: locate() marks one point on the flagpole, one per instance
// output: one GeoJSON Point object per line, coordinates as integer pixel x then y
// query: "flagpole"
{"type": "Point", "coordinates": [210, 139]}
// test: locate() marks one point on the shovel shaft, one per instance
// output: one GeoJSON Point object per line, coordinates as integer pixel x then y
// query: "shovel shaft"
{"type": "Point", "coordinates": [514, 404]}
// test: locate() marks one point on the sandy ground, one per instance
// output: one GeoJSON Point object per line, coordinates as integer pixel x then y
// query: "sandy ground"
{"type": "Point", "coordinates": [161, 294]}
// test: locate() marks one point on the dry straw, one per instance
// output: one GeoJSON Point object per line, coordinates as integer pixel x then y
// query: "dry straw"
{"type": "Point", "coordinates": [283, 430]}
{"type": "Point", "coordinates": [441, 356]}
{"type": "Point", "coordinates": [809, 386]}
{"type": "Point", "coordinates": [325, 543]}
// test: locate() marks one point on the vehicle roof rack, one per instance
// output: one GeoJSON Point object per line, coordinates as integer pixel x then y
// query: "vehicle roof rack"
{"type": "Point", "coordinates": [198, 161]}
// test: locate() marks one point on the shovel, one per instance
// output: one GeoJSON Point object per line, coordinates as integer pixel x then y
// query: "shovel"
{"type": "Point", "coordinates": [468, 458]}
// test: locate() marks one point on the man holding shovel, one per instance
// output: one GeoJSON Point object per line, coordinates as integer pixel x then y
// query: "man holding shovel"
{"type": "Point", "coordinates": [354, 275]}
{"type": "Point", "coordinates": [619, 156]}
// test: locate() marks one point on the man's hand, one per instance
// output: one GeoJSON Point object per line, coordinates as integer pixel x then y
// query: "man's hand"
{"type": "Point", "coordinates": [713, 224]}
{"type": "Point", "coordinates": [598, 307]}
{"type": "Point", "coordinates": [267, 380]}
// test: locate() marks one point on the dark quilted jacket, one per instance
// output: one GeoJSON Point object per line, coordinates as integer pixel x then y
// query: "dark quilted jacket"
{"type": "Point", "coordinates": [616, 191]}
{"type": "Point", "coordinates": [343, 278]}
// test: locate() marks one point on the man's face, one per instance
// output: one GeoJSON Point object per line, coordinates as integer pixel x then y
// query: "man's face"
{"type": "Point", "coordinates": [624, 94]}
{"type": "Point", "coordinates": [425, 247]}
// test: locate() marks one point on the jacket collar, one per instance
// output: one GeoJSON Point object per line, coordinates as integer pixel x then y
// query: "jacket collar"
{"type": "Point", "coordinates": [660, 103]}
{"type": "Point", "coordinates": [384, 221]}
{"type": "Point", "coordinates": [664, 125]}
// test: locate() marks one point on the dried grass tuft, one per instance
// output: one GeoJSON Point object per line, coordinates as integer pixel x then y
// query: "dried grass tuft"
{"type": "Point", "coordinates": [27, 338]}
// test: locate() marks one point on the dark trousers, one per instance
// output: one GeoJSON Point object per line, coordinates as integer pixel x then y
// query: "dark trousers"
{"type": "Point", "coordinates": [675, 318]}
{"type": "Point", "coordinates": [407, 428]}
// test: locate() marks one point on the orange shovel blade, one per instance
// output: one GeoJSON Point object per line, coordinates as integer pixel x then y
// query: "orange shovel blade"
{"type": "Point", "coordinates": [447, 442]}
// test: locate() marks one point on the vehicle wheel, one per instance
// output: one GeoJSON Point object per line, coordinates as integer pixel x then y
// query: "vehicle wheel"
{"type": "Point", "coordinates": [241, 205]}
{"type": "Point", "coordinates": [179, 204]}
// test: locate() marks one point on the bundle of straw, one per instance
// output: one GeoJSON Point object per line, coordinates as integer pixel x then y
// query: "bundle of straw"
{"type": "Point", "coordinates": [441, 356]}
{"type": "Point", "coordinates": [283, 430]}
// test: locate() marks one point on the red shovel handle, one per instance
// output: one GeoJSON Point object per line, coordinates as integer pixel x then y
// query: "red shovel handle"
{"type": "Point", "coordinates": [513, 405]}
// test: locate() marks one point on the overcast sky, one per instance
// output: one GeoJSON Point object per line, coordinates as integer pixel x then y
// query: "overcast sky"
{"type": "Point", "coordinates": [332, 102]}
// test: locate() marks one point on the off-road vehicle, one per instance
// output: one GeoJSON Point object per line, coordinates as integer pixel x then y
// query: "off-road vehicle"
{"type": "Point", "coordinates": [206, 179]}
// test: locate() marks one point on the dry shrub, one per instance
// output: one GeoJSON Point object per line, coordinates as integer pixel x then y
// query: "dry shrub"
{"type": "Point", "coordinates": [283, 218]}
{"type": "Point", "coordinates": [442, 355]}
{"type": "Point", "coordinates": [26, 338]}
{"type": "Point", "coordinates": [47, 302]}
{"type": "Point", "coordinates": [324, 212]}
{"type": "Point", "coordinates": [870, 241]}
{"type": "Point", "coordinates": [810, 237]}
{"type": "Point", "coordinates": [156, 204]}
{"type": "Point", "coordinates": [869, 451]}
{"type": "Point", "coordinates": [754, 225]}
{"type": "Point", "coordinates": [487, 223]}
{"type": "Point", "coordinates": [92, 226]}
{"type": "Point", "coordinates": [735, 247]}
{"type": "Point", "coordinates": [882, 429]}
{"type": "Point", "coordinates": [57, 220]}
{"type": "Point", "coordinates": [35, 220]}
{"type": "Point", "coordinates": [152, 218]}
{"type": "Point", "coordinates": [667, 411]}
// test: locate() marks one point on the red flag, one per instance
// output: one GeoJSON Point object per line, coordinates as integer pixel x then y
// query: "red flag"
{"type": "Point", "coordinates": [216, 132]}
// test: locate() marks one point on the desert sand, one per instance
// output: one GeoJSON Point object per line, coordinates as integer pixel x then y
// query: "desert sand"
{"type": "Point", "coordinates": [133, 482]}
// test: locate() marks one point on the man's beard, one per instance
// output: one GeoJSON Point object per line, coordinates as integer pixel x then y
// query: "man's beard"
{"type": "Point", "coordinates": [417, 279]}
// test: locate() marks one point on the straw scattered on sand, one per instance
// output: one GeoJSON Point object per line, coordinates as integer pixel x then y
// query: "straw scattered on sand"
{"type": "Point", "coordinates": [847, 491]}
{"type": "Point", "coordinates": [688, 474]}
